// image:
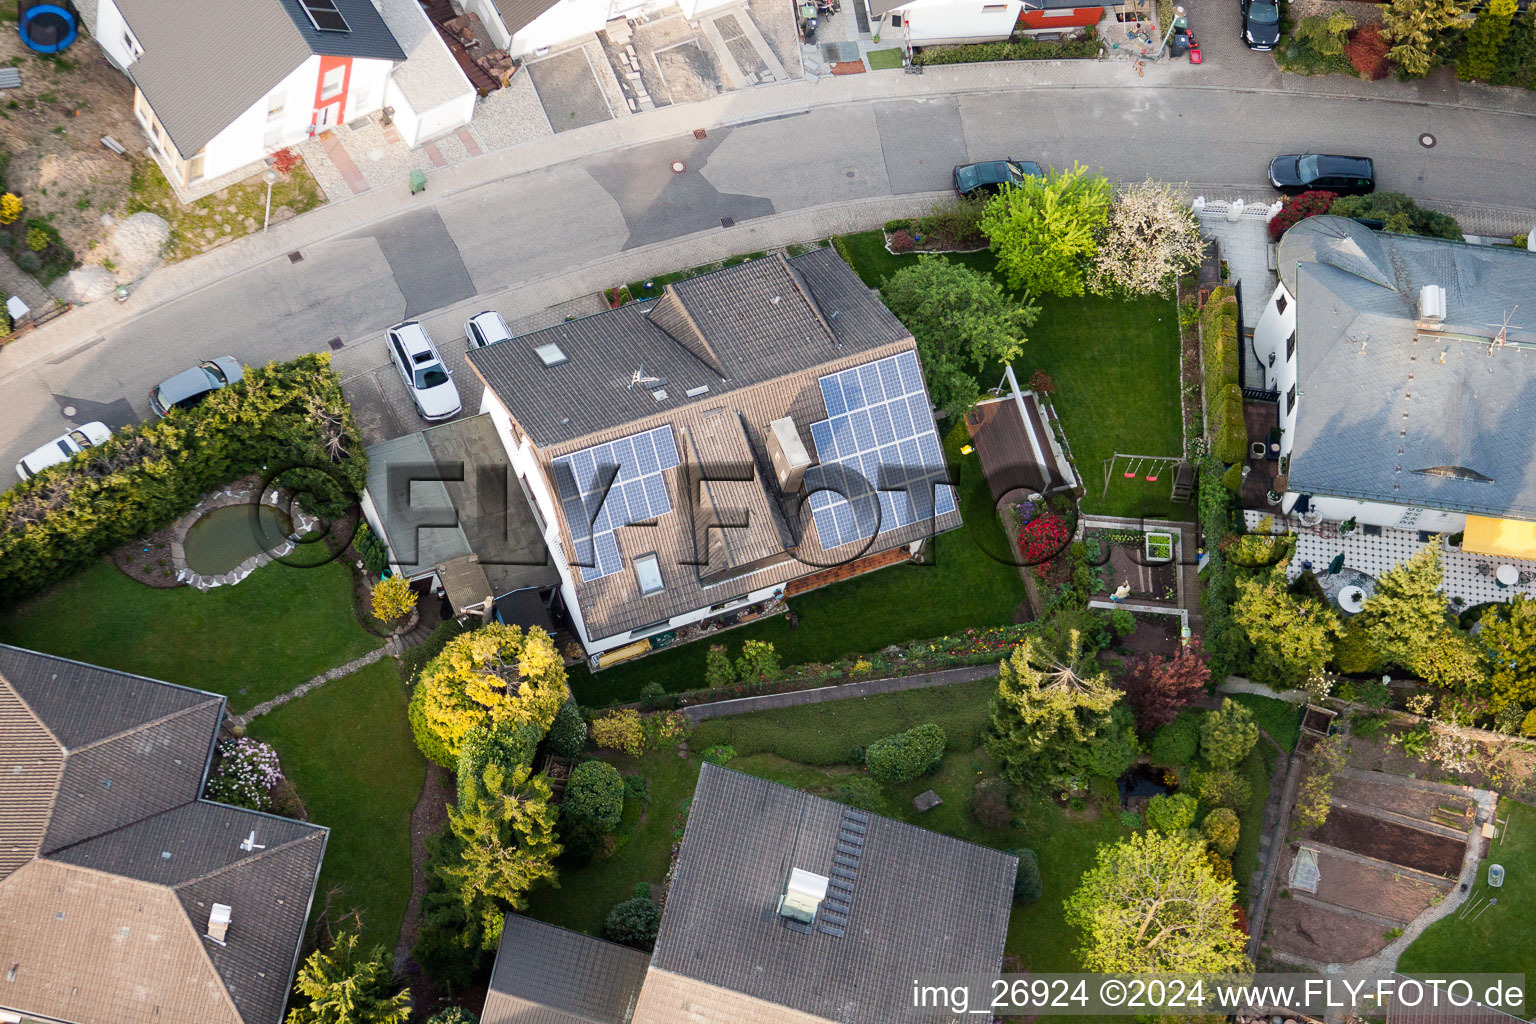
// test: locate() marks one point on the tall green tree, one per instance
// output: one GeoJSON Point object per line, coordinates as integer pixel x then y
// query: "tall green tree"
{"type": "Point", "coordinates": [345, 985]}
{"type": "Point", "coordinates": [1480, 54]}
{"type": "Point", "coordinates": [1516, 62]}
{"type": "Point", "coordinates": [1509, 633]}
{"type": "Point", "coordinates": [961, 320]}
{"type": "Point", "coordinates": [1227, 734]}
{"type": "Point", "coordinates": [1046, 231]}
{"type": "Point", "coordinates": [1416, 28]}
{"type": "Point", "coordinates": [505, 845]}
{"type": "Point", "coordinates": [1043, 712]}
{"type": "Point", "coordinates": [1152, 903]}
{"type": "Point", "coordinates": [1292, 636]}
{"type": "Point", "coordinates": [1407, 611]}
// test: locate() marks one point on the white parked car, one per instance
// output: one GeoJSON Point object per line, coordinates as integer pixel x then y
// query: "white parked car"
{"type": "Point", "coordinates": [422, 368]}
{"type": "Point", "coordinates": [62, 449]}
{"type": "Point", "coordinates": [486, 328]}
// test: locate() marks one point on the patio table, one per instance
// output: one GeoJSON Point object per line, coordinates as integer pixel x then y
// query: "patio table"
{"type": "Point", "coordinates": [1507, 575]}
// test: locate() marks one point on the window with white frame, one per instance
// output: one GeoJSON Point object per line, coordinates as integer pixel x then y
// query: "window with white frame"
{"type": "Point", "coordinates": [331, 82]}
{"type": "Point", "coordinates": [648, 574]}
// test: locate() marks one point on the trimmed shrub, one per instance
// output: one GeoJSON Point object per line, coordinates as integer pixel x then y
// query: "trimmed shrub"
{"type": "Point", "coordinates": [1232, 479]}
{"type": "Point", "coordinates": [1122, 622]}
{"type": "Point", "coordinates": [1367, 52]}
{"type": "Point", "coordinates": [372, 550]}
{"type": "Point", "coordinates": [1027, 885]}
{"type": "Point", "coordinates": [1227, 734]}
{"type": "Point", "coordinates": [594, 798]}
{"type": "Point", "coordinates": [1222, 787]}
{"type": "Point", "coordinates": [1130, 819]}
{"type": "Point", "coordinates": [633, 922]}
{"type": "Point", "coordinates": [454, 1015]}
{"type": "Point", "coordinates": [1222, 828]}
{"type": "Point", "coordinates": [1297, 208]}
{"type": "Point", "coordinates": [1230, 443]}
{"type": "Point", "coordinates": [989, 803]}
{"type": "Point", "coordinates": [1028, 49]}
{"type": "Point", "coordinates": [1400, 214]}
{"type": "Point", "coordinates": [721, 754]}
{"type": "Point", "coordinates": [1177, 742]}
{"type": "Point", "coordinates": [906, 755]}
{"type": "Point", "coordinates": [1171, 812]}
{"type": "Point", "coordinates": [568, 733]}
{"type": "Point", "coordinates": [620, 730]}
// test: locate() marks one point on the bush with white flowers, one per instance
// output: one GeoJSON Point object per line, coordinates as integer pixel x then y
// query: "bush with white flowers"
{"type": "Point", "coordinates": [245, 774]}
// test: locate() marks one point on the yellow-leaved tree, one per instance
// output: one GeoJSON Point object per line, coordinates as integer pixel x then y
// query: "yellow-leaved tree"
{"type": "Point", "coordinates": [497, 677]}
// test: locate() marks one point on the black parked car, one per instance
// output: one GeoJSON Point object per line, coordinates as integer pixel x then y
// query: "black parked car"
{"type": "Point", "coordinates": [989, 176]}
{"type": "Point", "coordinates": [1346, 175]}
{"type": "Point", "coordinates": [1261, 24]}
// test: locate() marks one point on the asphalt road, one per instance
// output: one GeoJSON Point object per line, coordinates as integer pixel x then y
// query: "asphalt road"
{"type": "Point", "coordinates": [477, 249]}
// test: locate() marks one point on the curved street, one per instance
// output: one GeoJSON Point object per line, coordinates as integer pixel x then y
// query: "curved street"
{"type": "Point", "coordinates": [525, 230]}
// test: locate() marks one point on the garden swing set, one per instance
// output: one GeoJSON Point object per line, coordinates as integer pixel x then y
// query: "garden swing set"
{"type": "Point", "coordinates": [1150, 468]}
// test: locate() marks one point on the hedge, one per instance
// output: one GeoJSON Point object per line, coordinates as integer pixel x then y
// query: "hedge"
{"type": "Point", "coordinates": [287, 421]}
{"type": "Point", "coordinates": [1229, 442]}
{"type": "Point", "coordinates": [906, 755]}
{"type": "Point", "coordinates": [1026, 49]}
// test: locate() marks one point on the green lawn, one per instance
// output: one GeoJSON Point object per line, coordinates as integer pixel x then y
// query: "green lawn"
{"type": "Point", "coordinates": [882, 60]}
{"type": "Point", "coordinates": [267, 634]}
{"type": "Point", "coordinates": [1281, 719]}
{"type": "Point", "coordinates": [348, 749]}
{"type": "Point", "coordinates": [1501, 940]}
{"type": "Point", "coordinates": [964, 586]}
{"type": "Point", "coordinates": [1115, 365]}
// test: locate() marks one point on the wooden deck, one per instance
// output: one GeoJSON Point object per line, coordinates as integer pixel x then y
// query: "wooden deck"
{"type": "Point", "coordinates": [440, 12]}
{"type": "Point", "coordinates": [1007, 457]}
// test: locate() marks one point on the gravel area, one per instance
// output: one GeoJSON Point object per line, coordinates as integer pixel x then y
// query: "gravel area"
{"type": "Point", "coordinates": [511, 116]}
{"type": "Point", "coordinates": [324, 172]}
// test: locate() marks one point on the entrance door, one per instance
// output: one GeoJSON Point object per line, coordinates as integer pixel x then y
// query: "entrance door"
{"type": "Point", "coordinates": [327, 115]}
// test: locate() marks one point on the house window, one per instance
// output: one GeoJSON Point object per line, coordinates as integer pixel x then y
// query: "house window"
{"type": "Point", "coordinates": [195, 168]}
{"type": "Point", "coordinates": [131, 46]}
{"type": "Point", "coordinates": [648, 574]}
{"type": "Point", "coordinates": [275, 104]}
{"type": "Point", "coordinates": [1280, 303]}
{"type": "Point", "coordinates": [550, 354]}
{"type": "Point", "coordinates": [1063, 12]}
{"type": "Point", "coordinates": [330, 85]}
{"type": "Point", "coordinates": [1290, 345]}
{"type": "Point", "coordinates": [993, 8]}
{"type": "Point", "coordinates": [1290, 400]}
{"type": "Point", "coordinates": [896, 21]}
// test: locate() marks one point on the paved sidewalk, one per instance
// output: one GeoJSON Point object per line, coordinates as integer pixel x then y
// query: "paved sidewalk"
{"type": "Point", "coordinates": [737, 108]}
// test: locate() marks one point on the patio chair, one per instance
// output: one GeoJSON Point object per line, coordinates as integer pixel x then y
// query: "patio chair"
{"type": "Point", "coordinates": [1484, 568]}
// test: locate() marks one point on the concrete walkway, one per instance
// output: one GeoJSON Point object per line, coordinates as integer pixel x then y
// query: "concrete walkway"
{"type": "Point", "coordinates": [745, 705]}
{"type": "Point", "coordinates": [267, 706]}
{"type": "Point", "coordinates": [730, 109]}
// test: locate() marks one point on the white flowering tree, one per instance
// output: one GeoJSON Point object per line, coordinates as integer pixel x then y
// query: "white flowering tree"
{"type": "Point", "coordinates": [1150, 239]}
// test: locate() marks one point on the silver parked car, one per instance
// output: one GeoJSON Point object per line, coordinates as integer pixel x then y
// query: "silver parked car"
{"type": "Point", "coordinates": [422, 368]}
{"type": "Point", "coordinates": [63, 448]}
{"type": "Point", "coordinates": [486, 328]}
{"type": "Point", "coordinates": [194, 384]}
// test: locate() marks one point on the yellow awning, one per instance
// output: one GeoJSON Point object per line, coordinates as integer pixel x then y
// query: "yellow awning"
{"type": "Point", "coordinates": [1510, 538]}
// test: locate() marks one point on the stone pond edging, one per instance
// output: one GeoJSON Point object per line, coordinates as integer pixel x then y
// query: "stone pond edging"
{"type": "Point", "coordinates": [234, 494]}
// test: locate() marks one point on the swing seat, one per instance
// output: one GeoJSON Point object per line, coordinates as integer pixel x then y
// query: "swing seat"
{"type": "Point", "coordinates": [1131, 475]}
{"type": "Point", "coordinates": [1151, 478]}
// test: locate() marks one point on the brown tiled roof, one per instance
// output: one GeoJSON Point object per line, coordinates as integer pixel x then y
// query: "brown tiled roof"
{"type": "Point", "coordinates": [903, 901]}
{"type": "Point", "coordinates": [548, 975]}
{"type": "Point", "coordinates": [111, 864]}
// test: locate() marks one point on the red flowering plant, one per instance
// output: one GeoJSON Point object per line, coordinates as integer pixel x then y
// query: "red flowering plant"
{"type": "Point", "coordinates": [1042, 538]}
{"type": "Point", "coordinates": [1295, 209]}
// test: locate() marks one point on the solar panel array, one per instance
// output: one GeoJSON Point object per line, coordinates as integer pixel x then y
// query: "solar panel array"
{"type": "Point", "coordinates": [879, 453]}
{"type": "Point", "coordinates": [638, 493]}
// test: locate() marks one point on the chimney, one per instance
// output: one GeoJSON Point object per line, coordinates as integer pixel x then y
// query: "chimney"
{"type": "Point", "coordinates": [1431, 306]}
{"type": "Point", "coordinates": [790, 459]}
{"type": "Point", "coordinates": [802, 896]}
{"type": "Point", "coordinates": [218, 923]}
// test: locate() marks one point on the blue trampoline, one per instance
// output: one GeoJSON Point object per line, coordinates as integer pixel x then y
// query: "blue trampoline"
{"type": "Point", "coordinates": [48, 28]}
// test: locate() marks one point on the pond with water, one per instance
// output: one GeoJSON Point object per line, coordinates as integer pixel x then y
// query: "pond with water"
{"type": "Point", "coordinates": [1143, 780]}
{"type": "Point", "coordinates": [224, 537]}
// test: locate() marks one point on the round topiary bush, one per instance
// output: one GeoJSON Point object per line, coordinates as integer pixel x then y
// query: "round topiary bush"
{"type": "Point", "coordinates": [1172, 812]}
{"type": "Point", "coordinates": [633, 922]}
{"type": "Point", "coordinates": [1027, 885]}
{"type": "Point", "coordinates": [906, 755]}
{"type": "Point", "coordinates": [1176, 742]}
{"type": "Point", "coordinates": [1222, 830]}
{"type": "Point", "coordinates": [594, 798]}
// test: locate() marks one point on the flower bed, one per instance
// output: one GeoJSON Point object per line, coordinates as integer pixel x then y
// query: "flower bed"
{"type": "Point", "coordinates": [245, 775]}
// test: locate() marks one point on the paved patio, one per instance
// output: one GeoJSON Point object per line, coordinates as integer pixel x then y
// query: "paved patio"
{"type": "Point", "coordinates": [1467, 576]}
{"type": "Point", "coordinates": [1245, 247]}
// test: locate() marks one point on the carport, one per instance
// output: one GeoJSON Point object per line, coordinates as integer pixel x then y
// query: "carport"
{"type": "Point", "coordinates": [447, 496]}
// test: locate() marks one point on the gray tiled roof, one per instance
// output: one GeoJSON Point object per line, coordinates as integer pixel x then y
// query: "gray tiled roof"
{"type": "Point", "coordinates": [548, 975]}
{"type": "Point", "coordinates": [105, 889]}
{"type": "Point", "coordinates": [1379, 401]}
{"type": "Point", "coordinates": [920, 902]}
{"type": "Point", "coordinates": [204, 64]}
{"type": "Point", "coordinates": [758, 319]}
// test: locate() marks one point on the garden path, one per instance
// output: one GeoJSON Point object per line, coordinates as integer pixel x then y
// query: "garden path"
{"type": "Point", "coordinates": [391, 648]}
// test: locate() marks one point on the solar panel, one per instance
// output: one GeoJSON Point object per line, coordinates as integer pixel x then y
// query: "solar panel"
{"type": "Point", "coordinates": [881, 466]}
{"type": "Point", "coordinates": [637, 493]}
{"type": "Point", "coordinates": [325, 15]}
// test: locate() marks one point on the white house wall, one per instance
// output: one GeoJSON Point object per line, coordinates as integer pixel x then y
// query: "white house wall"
{"type": "Point", "coordinates": [110, 30]}
{"type": "Point", "coordinates": [1269, 337]}
{"type": "Point", "coordinates": [1377, 513]}
{"type": "Point", "coordinates": [416, 128]}
{"type": "Point", "coordinates": [932, 22]}
{"type": "Point", "coordinates": [564, 21]}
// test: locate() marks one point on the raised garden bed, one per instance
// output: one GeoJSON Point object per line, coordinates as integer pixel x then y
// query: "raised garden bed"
{"type": "Point", "coordinates": [1389, 841]}
{"type": "Point", "coordinates": [1159, 547]}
